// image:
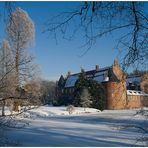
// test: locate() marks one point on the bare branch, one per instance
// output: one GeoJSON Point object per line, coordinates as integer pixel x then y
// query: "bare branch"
{"type": "Point", "coordinates": [97, 19]}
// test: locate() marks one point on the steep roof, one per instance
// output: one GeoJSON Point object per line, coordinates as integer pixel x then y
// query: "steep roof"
{"type": "Point", "coordinates": [61, 81]}
{"type": "Point", "coordinates": [97, 75]}
{"type": "Point", "coordinates": [133, 79]}
{"type": "Point", "coordinates": [71, 80]}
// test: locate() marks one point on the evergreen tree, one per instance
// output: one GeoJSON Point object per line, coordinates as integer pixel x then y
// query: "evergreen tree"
{"type": "Point", "coordinates": [85, 98]}
{"type": "Point", "coordinates": [81, 83]}
{"type": "Point", "coordinates": [95, 89]}
{"type": "Point", "coordinates": [97, 92]}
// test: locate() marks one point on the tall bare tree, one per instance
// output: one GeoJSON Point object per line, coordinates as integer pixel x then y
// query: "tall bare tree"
{"type": "Point", "coordinates": [48, 91]}
{"type": "Point", "coordinates": [20, 32]}
{"type": "Point", "coordinates": [144, 83]}
{"type": "Point", "coordinates": [33, 90]}
{"type": "Point", "coordinates": [127, 20]}
{"type": "Point", "coordinates": [7, 77]}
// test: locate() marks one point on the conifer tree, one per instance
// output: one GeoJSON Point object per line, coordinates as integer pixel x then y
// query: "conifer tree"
{"type": "Point", "coordinates": [95, 89]}
{"type": "Point", "coordinates": [85, 98]}
{"type": "Point", "coordinates": [81, 83]}
{"type": "Point", "coordinates": [97, 92]}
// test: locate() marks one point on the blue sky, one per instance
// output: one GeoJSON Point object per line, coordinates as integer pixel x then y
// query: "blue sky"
{"type": "Point", "coordinates": [56, 59]}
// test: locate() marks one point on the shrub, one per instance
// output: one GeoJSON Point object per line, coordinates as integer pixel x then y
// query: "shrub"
{"type": "Point", "coordinates": [70, 109]}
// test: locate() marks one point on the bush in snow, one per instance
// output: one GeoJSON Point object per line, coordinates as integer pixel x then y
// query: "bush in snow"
{"type": "Point", "coordinates": [70, 109]}
{"type": "Point", "coordinates": [85, 98]}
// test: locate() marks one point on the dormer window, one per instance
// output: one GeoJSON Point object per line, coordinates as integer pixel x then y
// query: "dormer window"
{"type": "Point", "coordinates": [106, 78]}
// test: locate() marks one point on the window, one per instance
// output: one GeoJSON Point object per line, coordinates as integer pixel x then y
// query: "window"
{"type": "Point", "coordinates": [73, 89]}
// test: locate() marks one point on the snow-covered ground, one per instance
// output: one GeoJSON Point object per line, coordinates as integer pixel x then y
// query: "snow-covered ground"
{"type": "Point", "coordinates": [53, 126]}
{"type": "Point", "coordinates": [49, 111]}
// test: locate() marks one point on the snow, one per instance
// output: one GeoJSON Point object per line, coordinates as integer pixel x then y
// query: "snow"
{"type": "Point", "coordinates": [7, 110]}
{"type": "Point", "coordinates": [105, 68]}
{"type": "Point", "coordinates": [99, 77]}
{"type": "Point", "coordinates": [71, 80]}
{"type": "Point", "coordinates": [53, 126]}
{"type": "Point", "coordinates": [133, 80]}
{"type": "Point", "coordinates": [49, 111]}
{"type": "Point", "coordinates": [137, 93]}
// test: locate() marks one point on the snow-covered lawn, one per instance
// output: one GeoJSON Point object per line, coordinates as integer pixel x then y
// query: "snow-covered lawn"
{"type": "Point", "coordinates": [53, 126]}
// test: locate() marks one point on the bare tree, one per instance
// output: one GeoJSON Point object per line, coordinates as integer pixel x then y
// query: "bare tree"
{"type": "Point", "coordinates": [127, 20]}
{"type": "Point", "coordinates": [9, 7]}
{"type": "Point", "coordinates": [7, 86]}
{"type": "Point", "coordinates": [15, 64]}
{"type": "Point", "coordinates": [20, 32]}
{"type": "Point", "coordinates": [144, 83]}
{"type": "Point", "coordinates": [7, 77]}
{"type": "Point", "coordinates": [48, 94]}
{"type": "Point", "coordinates": [33, 90]}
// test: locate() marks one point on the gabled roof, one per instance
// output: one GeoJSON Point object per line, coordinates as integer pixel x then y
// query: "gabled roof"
{"type": "Point", "coordinates": [71, 80]}
{"type": "Point", "coordinates": [133, 79]}
{"type": "Point", "coordinates": [61, 81]}
{"type": "Point", "coordinates": [97, 75]}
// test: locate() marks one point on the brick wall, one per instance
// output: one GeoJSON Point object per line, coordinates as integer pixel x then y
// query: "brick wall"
{"type": "Point", "coordinates": [115, 95]}
{"type": "Point", "coordinates": [116, 90]}
{"type": "Point", "coordinates": [137, 101]}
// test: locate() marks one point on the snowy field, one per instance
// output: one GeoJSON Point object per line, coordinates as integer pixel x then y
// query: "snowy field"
{"type": "Point", "coordinates": [53, 126]}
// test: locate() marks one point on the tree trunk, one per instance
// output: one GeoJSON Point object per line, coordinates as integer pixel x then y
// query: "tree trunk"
{"type": "Point", "coordinates": [17, 67]}
{"type": "Point", "coordinates": [3, 107]}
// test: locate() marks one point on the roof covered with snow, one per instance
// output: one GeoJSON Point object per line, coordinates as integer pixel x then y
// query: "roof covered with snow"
{"type": "Point", "coordinates": [133, 79]}
{"type": "Point", "coordinates": [100, 75]}
{"type": "Point", "coordinates": [71, 80]}
{"type": "Point", "coordinates": [136, 93]}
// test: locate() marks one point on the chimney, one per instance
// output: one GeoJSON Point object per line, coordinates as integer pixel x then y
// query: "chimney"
{"type": "Point", "coordinates": [97, 67]}
{"type": "Point", "coordinates": [82, 70]}
{"type": "Point", "coordinates": [68, 73]}
{"type": "Point", "coordinates": [116, 62]}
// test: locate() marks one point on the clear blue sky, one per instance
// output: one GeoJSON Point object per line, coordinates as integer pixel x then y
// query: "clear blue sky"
{"type": "Point", "coordinates": [56, 59]}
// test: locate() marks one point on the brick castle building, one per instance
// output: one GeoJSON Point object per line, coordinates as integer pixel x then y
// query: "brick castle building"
{"type": "Point", "coordinates": [121, 92]}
